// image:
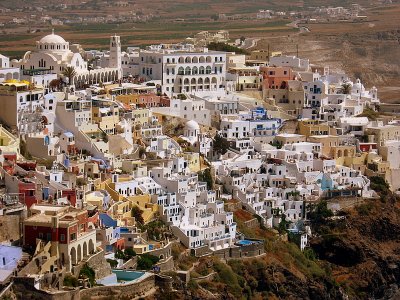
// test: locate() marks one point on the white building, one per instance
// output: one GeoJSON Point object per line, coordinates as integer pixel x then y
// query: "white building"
{"type": "Point", "coordinates": [185, 72]}
{"type": "Point", "coordinates": [55, 54]}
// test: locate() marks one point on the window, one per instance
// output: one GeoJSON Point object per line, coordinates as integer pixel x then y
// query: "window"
{"type": "Point", "coordinates": [62, 237]}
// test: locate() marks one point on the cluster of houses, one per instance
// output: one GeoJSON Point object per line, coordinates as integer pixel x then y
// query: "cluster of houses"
{"type": "Point", "coordinates": [174, 132]}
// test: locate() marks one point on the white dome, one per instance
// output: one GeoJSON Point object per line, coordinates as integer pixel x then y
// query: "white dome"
{"type": "Point", "coordinates": [52, 39]}
{"type": "Point", "coordinates": [192, 125]}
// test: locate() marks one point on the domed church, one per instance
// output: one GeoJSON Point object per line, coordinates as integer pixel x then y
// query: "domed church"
{"type": "Point", "coordinates": [55, 54]}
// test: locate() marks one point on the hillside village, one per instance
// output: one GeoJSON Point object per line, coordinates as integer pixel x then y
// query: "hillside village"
{"type": "Point", "coordinates": [121, 168]}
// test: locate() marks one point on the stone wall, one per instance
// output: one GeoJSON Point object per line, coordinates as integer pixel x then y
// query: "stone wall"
{"type": "Point", "coordinates": [162, 253]}
{"type": "Point", "coordinates": [126, 291]}
{"type": "Point", "coordinates": [166, 264]}
{"type": "Point", "coordinates": [10, 228]}
{"type": "Point", "coordinates": [253, 223]}
{"type": "Point", "coordinates": [130, 264]}
{"type": "Point", "coordinates": [201, 251]}
{"type": "Point", "coordinates": [23, 288]}
{"type": "Point", "coordinates": [98, 263]}
{"type": "Point", "coordinates": [236, 252]}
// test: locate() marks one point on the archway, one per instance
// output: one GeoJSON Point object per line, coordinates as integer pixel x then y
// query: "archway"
{"type": "Point", "coordinates": [73, 256]}
{"type": "Point", "coordinates": [91, 247]}
{"type": "Point", "coordinates": [85, 249]}
{"type": "Point", "coordinates": [79, 253]}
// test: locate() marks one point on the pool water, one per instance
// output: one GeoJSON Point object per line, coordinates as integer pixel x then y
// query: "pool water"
{"type": "Point", "coordinates": [120, 277]}
{"type": "Point", "coordinates": [124, 275]}
{"type": "Point", "coordinates": [244, 242]}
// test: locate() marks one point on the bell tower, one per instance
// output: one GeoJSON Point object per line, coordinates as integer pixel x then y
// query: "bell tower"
{"type": "Point", "coordinates": [115, 53]}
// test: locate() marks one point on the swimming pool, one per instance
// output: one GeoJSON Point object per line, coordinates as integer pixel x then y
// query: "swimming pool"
{"type": "Point", "coordinates": [125, 275]}
{"type": "Point", "coordinates": [244, 242]}
{"type": "Point", "coordinates": [120, 277]}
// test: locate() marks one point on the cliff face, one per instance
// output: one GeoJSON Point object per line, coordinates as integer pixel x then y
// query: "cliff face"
{"type": "Point", "coordinates": [353, 256]}
{"type": "Point", "coordinates": [363, 249]}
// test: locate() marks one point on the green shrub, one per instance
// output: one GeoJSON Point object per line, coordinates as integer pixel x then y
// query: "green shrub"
{"type": "Point", "coordinates": [71, 281]}
{"type": "Point", "coordinates": [113, 263]}
{"type": "Point", "coordinates": [129, 253]}
{"type": "Point", "coordinates": [89, 273]}
{"type": "Point", "coordinates": [146, 261]}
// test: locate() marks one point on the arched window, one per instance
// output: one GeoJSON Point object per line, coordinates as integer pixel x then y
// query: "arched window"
{"type": "Point", "coordinates": [195, 71]}
{"type": "Point", "coordinates": [181, 71]}
{"type": "Point", "coordinates": [201, 70]}
{"type": "Point", "coordinates": [208, 70]}
{"type": "Point", "coordinates": [188, 71]}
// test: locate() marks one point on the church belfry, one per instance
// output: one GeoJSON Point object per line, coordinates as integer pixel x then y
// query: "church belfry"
{"type": "Point", "coordinates": [115, 52]}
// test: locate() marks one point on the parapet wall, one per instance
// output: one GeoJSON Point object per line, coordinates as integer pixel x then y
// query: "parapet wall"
{"type": "Point", "coordinates": [126, 291]}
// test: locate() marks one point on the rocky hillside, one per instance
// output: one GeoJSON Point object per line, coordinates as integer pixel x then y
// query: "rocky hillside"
{"type": "Point", "coordinates": [363, 249]}
{"type": "Point", "coordinates": [354, 255]}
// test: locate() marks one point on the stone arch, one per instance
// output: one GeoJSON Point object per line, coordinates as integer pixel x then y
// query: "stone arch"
{"type": "Point", "coordinates": [188, 71]}
{"type": "Point", "coordinates": [15, 75]}
{"type": "Point", "coordinates": [208, 70]}
{"type": "Point", "coordinates": [202, 70]}
{"type": "Point", "coordinates": [207, 80]}
{"type": "Point", "coordinates": [79, 253]}
{"type": "Point", "coordinates": [161, 256]}
{"type": "Point", "coordinates": [208, 59]}
{"type": "Point", "coordinates": [181, 71]}
{"type": "Point", "coordinates": [181, 60]}
{"type": "Point", "coordinates": [73, 256]}
{"type": "Point", "coordinates": [195, 71]}
{"type": "Point", "coordinates": [200, 81]}
{"type": "Point", "coordinates": [214, 80]}
{"type": "Point", "coordinates": [91, 247]}
{"type": "Point", "coordinates": [188, 60]}
{"type": "Point", "coordinates": [85, 249]}
{"type": "Point", "coordinates": [98, 78]}
{"type": "Point", "coordinates": [107, 76]}
{"type": "Point", "coordinates": [186, 81]}
{"type": "Point", "coordinates": [91, 79]}
{"type": "Point", "coordinates": [339, 153]}
{"type": "Point", "coordinates": [8, 76]}
{"type": "Point", "coordinates": [202, 59]}
{"type": "Point", "coordinates": [102, 77]}
{"type": "Point", "coordinates": [193, 81]}
{"type": "Point", "coordinates": [195, 60]}
{"type": "Point", "coordinates": [346, 152]}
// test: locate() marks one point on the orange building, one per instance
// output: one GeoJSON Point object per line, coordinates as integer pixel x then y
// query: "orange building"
{"type": "Point", "coordinates": [276, 77]}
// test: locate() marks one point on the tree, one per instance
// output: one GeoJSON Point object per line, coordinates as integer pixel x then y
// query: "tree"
{"type": "Point", "coordinates": [89, 273]}
{"type": "Point", "coordinates": [55, 84]}
{"type": "Point", "coordinates": [320, 212]}
{"type": "Point", "coordinates": [146, 261]}
{"type": "Point", "coordinates": [129, 253]}
{"type": "Point", "coordinates": [345, 88]}
{"type": "Point", "coordinates": [136, 212]}
{"type": "Point", "coordinates": [221, 144]}
{"type": "Point", "coordinates": [70, 73]}
{"type": "Point", "coordinates": [113, 263]}
{"type": "Point", "coordinates": [205, 176]}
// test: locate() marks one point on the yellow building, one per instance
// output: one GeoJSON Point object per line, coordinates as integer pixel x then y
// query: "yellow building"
{"type": "Point", "coordinates": [326, 141]}
{"type": "Point", "coordinates": [342, 151]}
{"type": "Point", "coordinates": [380, 134]}
{"type": "Point", "coordinates": [8, 142]}
{"type": "Point", "coordinates": [289, 138]}
{"type": "Point", "coordinates": [315, 127]}
{"type": "Point", "coordinates": [193, 160]}
{"type": "Point", "coordinates": [106, 117]}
